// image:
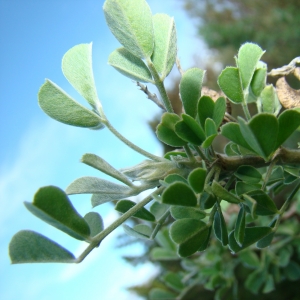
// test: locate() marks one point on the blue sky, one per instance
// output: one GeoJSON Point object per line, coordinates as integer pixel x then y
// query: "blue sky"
{"type": "Point", "coordinates": [37, 151]}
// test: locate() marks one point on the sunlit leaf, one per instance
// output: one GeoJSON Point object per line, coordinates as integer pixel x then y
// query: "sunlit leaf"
{"type": "Point", "coordinates": [31, 247]}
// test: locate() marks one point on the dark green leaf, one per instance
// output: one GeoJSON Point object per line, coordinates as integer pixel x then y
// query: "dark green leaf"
{"type": "Point", "coordinates": [265, 205]}
{"type": "Point", "coordinates": [220, 228]}
{"type": "Point", "coordinates": [230, 83]}
{"type": "Point", "coordinates": [179, 193]}
{"type": "Point", "coordinates": [252, 235]}
{"type": "Point", "coordinates": [124, 205]}
{"type": "Point", "coordinates": [270, 285]}
{"type": "Point", "coordinates": [248, 174]}
{"type": "Point", "coordinates": [130, 65]}
{"type": "Point", "coordinates": [206, 107]}
{"type": "Point", "coordinates": [292, 271]}
{"type": "Point", "coordinates": [95, 223]}
{"type": "Point", "coordinates": [61, 107]}
{"type": "Point", "coordinates": [182, 212]}
{"type": "Point", "coordinates": [190, 90]}
{"type": "Point", "coordinates": [204, 246]}
{"type": "Point", "coordinates": [249, 259]}
{"type": "Point", "coordinates": [207, 200]}
{"type": "Point", "coordinates": [239, 229]}
{"type": "Point", "coordinates": [258, 81]}
{"type": "Point", "coordinates": [31, 247]}
{"type": "Point", "coordinates": [255, 281]}
{"type": "Point", "coordinates": [242, 187]}
{"type": "Point", "coordinates": [223, 194]}
{"type": "Point", "coordinates": [131, 24]}
{"type": "Point", "coordinates": [173, 280]}
{"type": "Point", "coordinates": [196, 179]}
{"type": "Point", "coordinates": [165, 131]}
{"type": "Point", "coordinates": [53, 206]}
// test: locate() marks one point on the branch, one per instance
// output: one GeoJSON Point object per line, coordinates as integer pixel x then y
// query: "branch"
{"type": "Point", "coordinates": [151, 96]}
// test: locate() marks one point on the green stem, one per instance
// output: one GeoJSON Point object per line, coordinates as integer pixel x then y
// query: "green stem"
{"type": "Point", "coordinates": [100, 236]}
{"type": "Point", "coordinates": [269, 172]}
{"type": "Point", "coordinates": [160, 86]}
{"type": "Point", "coordinates": [130, 144]}
{"type": "Point", "coordinates": [200, 152]}
{"type": "Point", "coordinates": [289, 199]}
{"type": "Point", "coordinates": [159, 224]}
{"type": "Point", "coordinates": [246, 111]}
{"type": "Point", "coordinates": [189, 153]}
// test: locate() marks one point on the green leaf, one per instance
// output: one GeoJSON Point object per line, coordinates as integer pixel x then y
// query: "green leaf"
{"type": "Point", "coordinates": [129, 65]}
{"type": "Point", "coordinates": [248, 56]}
{"type": "Point", "coordinates": [196, 179]}
{"type": "Point", "coordinates": [173, 280]}
{"type": "Point", "coordinates": [292, 271]}
{"type": "Point", "coordinates": [261, 133]}
{"type": "Point", "coordinates": [220, 228]}
{"type": "Point", "coordinates": [230, 83]}
{"type": "Point", "coordinates": [53, 206]}
{"type": "Point", "coordinates": [164, 240]}
{"type": "Point", "coordinates": [223, 194]}
{"type": "Point", "coordinates": [249, 259]}
{"type": "Point", "coordinates": [189, 130]}
{"type": "Point", "coordinates": [219, 111]}
{"type": "Point", "coordinates": [61, 107]}
{"type": "Point", "coordinates": [206, 106]}
{"type": "Point", "coordinates": [140, 231]}
{"type": "Point", "coordinates": [182, 212]}
{"type": "Point", "coordinates": [211, 133]}
{"type": "Point", "coordinates": [158, 253]}
{"type": "Point", "coordinates": [252, 235]}
{"type": "Point", "coordinates": [168, 155]}
{"type": "Point", "coordinates": [248, 174]}
{"type": "Point", "coordinates": [207, 200]}
{"type": "Point", "coordinates": [190, 90]}
{"type": "Point", "coordinates": [160, 294]}
{"type": "Point", "coordinates": [255, 281]}
{"type": "Point", "coordinates": [270, 285]}
{"type": "Point", "coordinates": [101, 165]}
{"type": "Point", "coordinates": [204, 246]}
{"type": "Point", "coordinates": [239, 229]}
{"type": "Point", "coordinates": [158, 209]}
{"type": "Point", "coordinates": [231, 149]}
{"type": "Point", "coordinates": [175, 177]}
{"type": "Point", "coordinates": [179, 193]}
{"type": "Point", "coordinates": [269, 99]}
{"type": "Point", "coordinates": [165, 131]}
{"type": "Point", "coordinates": [232, 131]}
{"type": "Point", "coordinates": [131, 24]}
{"type": "Point", "coordinates": [165, 44]}
{"type": "Point", "coordinates": [242, 187]}
{"type": "Point", "coordinates": [95, 223]}
{"type": "Point", "coordinates": [124, 205]}
{"type": "Point", "coordinates": [190, 234]}
{"type": "Point", "coordinates": [258, 81]}
{"type": "Point", "coordinates": [31, 247]}
{"type": "Point", "coordinates": [265, 205]}
{"type": "Point", "coordinates": [77, 68]}
{"type": "Point", "coordinates": [288, 121]}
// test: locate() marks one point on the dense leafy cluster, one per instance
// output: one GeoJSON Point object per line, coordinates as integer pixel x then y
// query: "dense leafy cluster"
{"type": "Point", "coordinates": [194, 186]}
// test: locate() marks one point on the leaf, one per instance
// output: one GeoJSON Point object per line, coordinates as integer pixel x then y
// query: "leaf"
{"type": "Point", "coordinates": [242, 187]}
{"type": "Point", "coordinates": [164, 240]}
{"type": "Point", "coordinates": [239, 229]}
{"type": "Point", "coordinates": [53, 206]}
{"type": "Point", "coordinates": [252, 235]}
{"type": "Point", "coordinates": [101, 165]}
{"type": "Point", "coordinates": [261, 133]}
{"type": "Point", "coordinates": [232, 131]}
{"type": "Point", "coordinates": [190, 90]}
{"type": "Point", "coordinates": [31, 247]}
{"type": "Point", "coordinates": [265, 205]}
{"type": "Point", "coordinates": [211, 133]}
{"type": "Point", "coordinates": [165, 44]}
{"type": "Point", "coordinates": [139, 231]}
{"type": "Point", "coordinates": [77, 68]}
{"type": "Point", "coordinates": [165, 131]}
{"type": "Point", "coordinates": [158, 253]}
{"type": "Point", "coordinates": [292, 271]}
{"type": "Point", "coordinates": [189, 130]}
{"type": "Point", "coordinates": [220, 228]}
{"type": "Point", "coordinates": [196, 179]}
{"type": "Point", "coordinates": [249, 259]}
{"type": "Point", "coordinates": [130, 65]}
{"type": "Point", "coordinates": [248, 56]}
{"type": "Point", "coordinates": [160, 294]}
{"type": "Point", "coordinates": [158, 209]}
{"type": "Point", "coordinates": [124, 205]}
{"type": "Point", "coordinates": [248, 174]}
{"type": "Point", "coordinates": [190, 234]}
{"type": "Point", "coordinates": [61, 107]}
{"type": "Point", "coordinates": [269, 99]}
{"type": "Point", "coordinates": [173, 178]}
{"type": "Point", "coordinates": [258, 81]}
{"type": "Point", "coordinates": [206, 106]}
{"type": "Point", "coordinates": [182, 212]}
{"type": "Point", "coordinates": [255, 281]}
{"type": "Point", "coordinates": [223, 194]}
{"type": "Point", "coordinates": [219, 111]}
{"type": "Point", "coordinates": [288, 121]}
{"type": "Point", "coordinates": [173, 280]}
{"type": "Point", "coordinates": [230, 84]}
{"type": "Point", "coordinates": [179, 193]}
{"type": "Point", "coordinates": [95, 223]}
{"type": "Point", "coordinates": [131, 24]}
{"type": "Point", "coordinates": [207, 200]}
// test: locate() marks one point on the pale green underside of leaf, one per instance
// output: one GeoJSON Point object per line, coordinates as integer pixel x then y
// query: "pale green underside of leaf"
{"type": "Point", "coordinates": [131, 24]}
{"type": "Point", "coordinates": [61, 107]}
{"type": "Point", "coordinates": [129, 65]}
{"type": "Point", "coordinates": [101, 165]}
{"type": "Point", "coordinates": [165, 44]}
{"type": "Point", "coordinates": [77, 68]}
{"type": "Point", "coordinates": [95, 223]}
{"type": "Point", "coordinates": [31, 247]}
{"type": "Point", "coordinates": [139, 231]}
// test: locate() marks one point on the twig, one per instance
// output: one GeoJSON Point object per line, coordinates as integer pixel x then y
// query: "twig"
{"type": "Point", "coordinates": [150, 96]}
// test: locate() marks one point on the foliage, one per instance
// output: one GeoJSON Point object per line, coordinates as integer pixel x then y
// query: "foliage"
{"type": "Point", "coordinates": [193, 188]}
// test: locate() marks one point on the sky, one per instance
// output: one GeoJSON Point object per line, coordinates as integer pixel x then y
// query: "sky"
{"type": "Point", "coordinates": [37, 151]}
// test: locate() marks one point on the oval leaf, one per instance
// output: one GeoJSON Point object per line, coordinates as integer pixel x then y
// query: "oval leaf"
{"type": "Point", "coordinates": [196, 179]}
{"type": "Point", "coordinates": [223, 194]}
{"type": "Point", "coordinates": [61, 107]}
{"type": "Point", "coordinates": [129, 65]}
{"type": "Point", "coordinates": [179, 193]}
{"type": "Point", "coordinates": [95, 223]}
{"type": "Point", "coordinates": [77, 68]}
{"type": "Point", "coordinates": [239, 229]}
{"type": "Point", "coordinates": [31, 247]}
{"type": "Point", "coordinates": [190, 90]}
{"type": "Point", "coordinates": [265, 205]}
{"type": "Point", "coordinates": [131, 24]}
{"type": "Point", "coordinates": [220, 228]}
{"type": "Point", "coordinates": [165, 44]}
{"type": "Point", "coordinates": [248, 174]}
{"type": "Point", "coordinates": [139, 231]}
{"type": "Point", "coordinates": [181, 212]}
{"type": "Point", "coordinates": [53, 206]}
